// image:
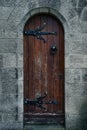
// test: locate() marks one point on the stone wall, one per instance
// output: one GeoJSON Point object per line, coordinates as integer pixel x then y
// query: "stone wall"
{"type": "Point", "coordinates": [13, 16]}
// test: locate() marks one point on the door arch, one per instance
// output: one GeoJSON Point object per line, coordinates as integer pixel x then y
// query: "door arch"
{"type": "Point", "coordinates": [44, 70]}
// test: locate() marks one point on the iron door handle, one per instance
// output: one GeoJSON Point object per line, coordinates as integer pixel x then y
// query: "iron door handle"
{"type": "Point", "coordinates": [53, 49]}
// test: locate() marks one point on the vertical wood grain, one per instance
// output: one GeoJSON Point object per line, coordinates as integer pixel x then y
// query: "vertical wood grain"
{"type": "Point", "coordinates": [44, 72]}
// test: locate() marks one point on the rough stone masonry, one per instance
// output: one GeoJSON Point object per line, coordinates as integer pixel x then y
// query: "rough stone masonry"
{"type": "Point", "coordinates": [13, 15]}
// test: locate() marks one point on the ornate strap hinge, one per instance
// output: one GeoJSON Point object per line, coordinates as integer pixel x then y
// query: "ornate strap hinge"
{"type": "Point", "coordinates": [39, 102]}
{"type": "Point", "coordinates": [37, 32]}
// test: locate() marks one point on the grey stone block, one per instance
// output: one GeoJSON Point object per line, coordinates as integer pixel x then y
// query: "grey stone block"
{"type": "Point", "coordinates": [8, 46]}
{"type": "Point", "coordinates": [85, 61]}
{"type": "Point", "coordinates": [8, 104]}
{"type": "Point", "coordinates": [11, 28]}
{"type": "Point", "coordinates": [74, 24]}
{"type": "Point", "coordinates": [76, 89]}
{"type": "Point", "coordinates": [76, 61]}
{"type": "Point", "coordinates": [1, 61]}
{"type": "Point", "coordinates": [24, 3]}
{"type": "Point", "coordinates": [8, 74]}
{"type": "Point", "coordinates": [11, 25]}
{"type": "Point", "coordinates": [9, 117]}
{"type": "Point", "coordinates": [73, 75]}
{"type": "Point", "coordinates": [19, 46]}
{"type": "Point", "coordinates": [20, 117]}
{"type": "Point", "coordinates": [3, 23]}
{"type": "Point", "coordinates": [2, 33]}
{"type": "Point", "coordinates": [72, 14]}
{"type": "Point", "coordinates": [68, 11]}
{"type": "Point", "coordinates": [9, 3]}
{"type": "Point", "coordinates": [72, 2]}
{"type": "Point", "coordinates": [5, 12]}
{"type": "Point", "coordinates": [9, 113]}
{"type": "Point", "coordinates": [0, 117]}
{"type": "Point", "coordinates": [74, 37]}
{"type": "Point", "coordinates": [10, 34]}
{"type": "Point", "coordinates": [20, 74]}
{"type": "Point", "coordinates": [11, 126]}
{"type": "Point", "coordinates": [2, 27]}
{"type": "Point", "coordinates": [64, 10]}
{"type": "Point", "coordinates": [81, 3]}
{"type": "Point", "coordinates": [54, 3]}
{"type": "Point", "coordinates": [78, 47]}
{"type": "Point", "coordinates": [20, 60]}
{"type": "Point", "coordinates": [8, 83]}
{"type": "Point", "coordinates": [10, 86]}
{"type": "Point", "coordinates": [84, 75]}
{"type": "Point", "coordinates": [78, 5]}
{"type": "Point", "coordinates": [84, 42]}
{"type": "Point", "coordinates": [67, 62]}
{"type": "Point", "coordinates": [0, 87]}
{"type": "Point", "coordinates": [20, 103]}
{"type": "Point", "coordinates": [67, 42]}
{"type": "Point", "coordinates": [42, 10]}
{"type": "Point", "coordinates": [9, 60]}
{"type": "Point", "coordinates": [84, 14]}
{"type": "Point", "coordinates": [76, 105]}
{"type": "Point", "coordinates": [83, 26]}
{"type": "Point", "coordinates": [18, 14]}
{"type": "Point", "coordinates": [75, 122]}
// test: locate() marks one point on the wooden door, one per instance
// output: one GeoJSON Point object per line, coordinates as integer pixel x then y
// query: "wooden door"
{"type": "Point", "coordinates": [43, 70]}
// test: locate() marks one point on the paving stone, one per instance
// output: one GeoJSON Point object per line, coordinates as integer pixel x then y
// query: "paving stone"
{"type": "Point", "coordinates": [43, 127]}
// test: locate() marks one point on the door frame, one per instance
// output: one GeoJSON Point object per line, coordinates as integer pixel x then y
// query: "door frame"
{"type": "Point", "coordinates": [59, 117]}
{"type": "Point", "coordinates": [22, 22]}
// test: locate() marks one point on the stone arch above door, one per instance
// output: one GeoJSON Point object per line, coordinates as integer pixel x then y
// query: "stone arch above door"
{"type": "Point", "coordinates": [40, 10]}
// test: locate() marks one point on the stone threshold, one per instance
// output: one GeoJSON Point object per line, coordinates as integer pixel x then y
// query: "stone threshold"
{"type": "Point", "coordinates": [43, 127]}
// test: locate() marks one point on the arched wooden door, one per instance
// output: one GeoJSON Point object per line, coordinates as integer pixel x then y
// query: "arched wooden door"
{"type": "Point", "coordinates": [43, 70]}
